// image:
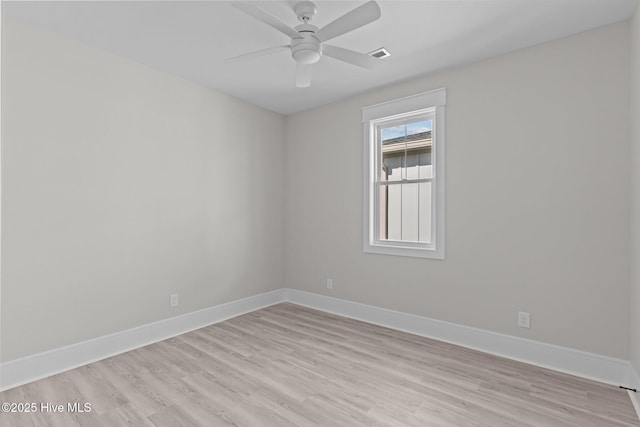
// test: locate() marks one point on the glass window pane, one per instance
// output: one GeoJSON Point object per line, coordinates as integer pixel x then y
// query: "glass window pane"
{"type": "Point", "coordinates": [425, 165]}
{"type": "Point", "coordinates": [416, 128]}
{"type": "Point", "coordinates": [406, 151]}
{"type": "Point", "coordinates": [424, 212]}
{"type": "Point", "coordinates": [383, 216]}
{"type": "Point", "coordinates": [410, 212]}
{"type": "Point", "coordinates": [394, 212]}
{"type": "Point", "coordinates": [405, 212]}
{"type": "Point", "coordinates": [392, 167]}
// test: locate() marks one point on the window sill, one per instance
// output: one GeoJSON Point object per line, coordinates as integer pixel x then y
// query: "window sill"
{"type": "Point", "coordinates": [405, 251]}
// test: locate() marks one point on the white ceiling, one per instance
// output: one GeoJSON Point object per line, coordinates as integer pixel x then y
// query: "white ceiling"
{"type": "Point", "coordinates": [191, 39]}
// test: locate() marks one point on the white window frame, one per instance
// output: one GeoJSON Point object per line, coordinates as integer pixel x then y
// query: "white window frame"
{"type": "Point", "coordinates": [432, 102]}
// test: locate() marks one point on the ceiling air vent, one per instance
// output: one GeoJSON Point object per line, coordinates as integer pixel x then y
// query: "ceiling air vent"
{"type": "Point", "coordinates": [380, 53]}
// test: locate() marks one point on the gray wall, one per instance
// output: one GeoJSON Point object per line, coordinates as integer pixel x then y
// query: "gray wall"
{"type": "Point", "coordinates": [537, 198]}
{"type": "Point", "coordinates": [635, 191]}
{"type": "Point", "coordinates": [122, 185]}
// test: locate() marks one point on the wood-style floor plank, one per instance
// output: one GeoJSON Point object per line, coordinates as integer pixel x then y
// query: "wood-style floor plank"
{"type": "Point", "coordinates": [288, 365]}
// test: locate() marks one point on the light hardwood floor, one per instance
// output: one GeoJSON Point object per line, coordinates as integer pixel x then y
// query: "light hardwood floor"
{"type": "Point", "coordinates": [288, 365]}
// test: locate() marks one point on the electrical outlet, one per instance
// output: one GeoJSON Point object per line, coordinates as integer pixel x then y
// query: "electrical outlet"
{"type": "Point", "coordinates": [524, 319]}
{"type": "Point", "coordinates": [173, 300]}
{"type": "Point", "coordinates": [329, 283]}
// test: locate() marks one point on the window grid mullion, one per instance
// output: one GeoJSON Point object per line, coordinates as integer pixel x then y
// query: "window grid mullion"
{"type": "Point", "coordinates": [406, 181]}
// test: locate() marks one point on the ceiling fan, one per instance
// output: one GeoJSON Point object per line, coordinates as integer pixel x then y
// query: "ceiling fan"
{"type": "Point", "coordinates": [308, 41]}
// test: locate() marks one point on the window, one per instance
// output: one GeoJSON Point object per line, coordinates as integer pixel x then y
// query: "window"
{"type": "Point", "coordinates": [404, 176]}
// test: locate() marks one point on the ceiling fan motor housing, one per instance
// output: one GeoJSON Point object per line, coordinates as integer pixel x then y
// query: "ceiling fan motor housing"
{"type": "Point", "coordinates": [306, 49]}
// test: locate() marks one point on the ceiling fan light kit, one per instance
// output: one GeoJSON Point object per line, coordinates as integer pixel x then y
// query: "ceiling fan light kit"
{"type": "Point", "coordinates": [307, 41]}
{"type": "Point", "coordinates": [306, 49]}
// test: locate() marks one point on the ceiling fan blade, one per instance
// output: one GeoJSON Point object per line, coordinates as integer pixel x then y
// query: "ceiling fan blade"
{"type": "Point", "coordinates": [303, 75]}
{"type": "Point", "coordinates": [358, 17]}
{"type": "Point", "coordinates": [257, 53]}
{"type": "Point", "coordinates": [266, 18]}
{"type": "Point", "coordinates": [351, 56]}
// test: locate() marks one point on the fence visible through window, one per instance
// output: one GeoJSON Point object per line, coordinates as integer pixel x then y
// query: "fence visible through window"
{"type": "Point", "coordinates": [405, 181]}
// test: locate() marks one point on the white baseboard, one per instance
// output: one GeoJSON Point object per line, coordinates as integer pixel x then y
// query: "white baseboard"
{"type": "Point", "coordinates": [596, 367]}
{"type": "Point", "coordinates": [583, 364]}
{"type": "Point", "coordinates": [42, 365]}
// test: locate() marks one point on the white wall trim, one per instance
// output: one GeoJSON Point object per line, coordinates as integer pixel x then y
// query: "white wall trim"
{"type": "Point", "coordinates": [583, 364]}
{"type": "Point", "coordinates": [593, 366]}
{"type": "Point", "coordinates": [432, 98]}
{"type": "Point", "coordinates": [42, 365]}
